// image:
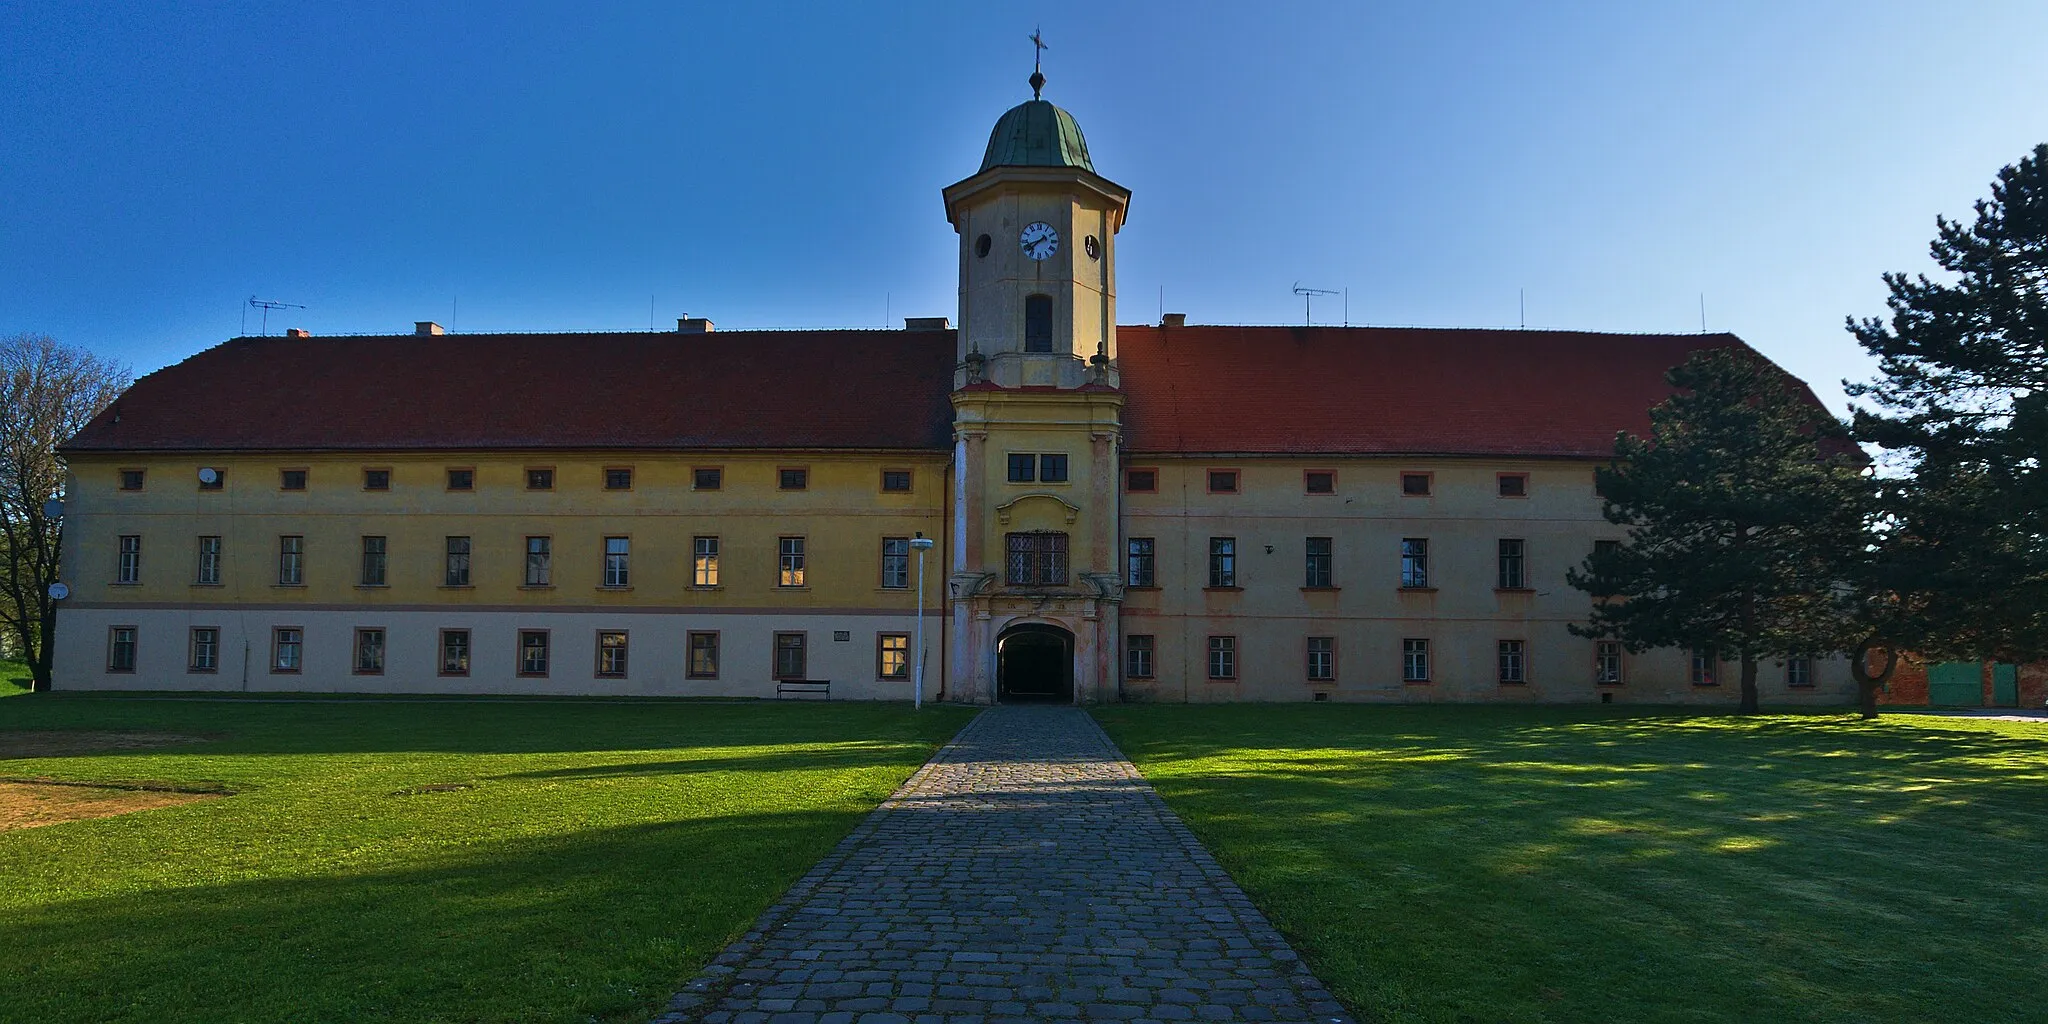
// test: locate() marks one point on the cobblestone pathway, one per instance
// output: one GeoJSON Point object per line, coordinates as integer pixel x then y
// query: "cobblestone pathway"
{"type": "Point", "coordinates": [1026, 873]}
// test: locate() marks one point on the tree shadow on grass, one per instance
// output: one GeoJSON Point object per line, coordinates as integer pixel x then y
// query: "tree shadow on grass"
{"type": "Point", "coordinates": [599, 925]}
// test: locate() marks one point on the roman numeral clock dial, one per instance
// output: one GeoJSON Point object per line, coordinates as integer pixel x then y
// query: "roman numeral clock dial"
{"type": "Point", "coordinates": [1039, 240]}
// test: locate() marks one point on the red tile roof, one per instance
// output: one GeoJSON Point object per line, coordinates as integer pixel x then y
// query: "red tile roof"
{"type": "Point", "coordinates": [728, 389]}
{"type": "Point", "coordinates": [1392, 390]}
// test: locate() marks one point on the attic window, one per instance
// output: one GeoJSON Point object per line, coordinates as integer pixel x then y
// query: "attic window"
{"type": "Point", "coordinates": [376, 479]}
{"type": "Point", "coordinates": [1514, 485]}
{"type": "Point", "coordinates": [1415, 484]}
{"type": "Point", "coordinates": [462, 479]}
{"type": "Point", "coordinates": [291, 479]}
{"type": "Point", "coordinates": [1320, 481]}
{"type": "Point", "coordinates": [1038, 323]}
{"type": "Point", "coordinates": [131, 479]}
{"type": "Point", "coordinates": [618, 478]}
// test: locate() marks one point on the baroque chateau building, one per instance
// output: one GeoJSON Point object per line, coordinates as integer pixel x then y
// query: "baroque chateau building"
{"type": "Point", "coordinates": [1162, 512]}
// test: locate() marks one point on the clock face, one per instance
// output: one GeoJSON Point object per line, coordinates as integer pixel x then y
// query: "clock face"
{"type": "Point", "coordinates": [1039, 240]}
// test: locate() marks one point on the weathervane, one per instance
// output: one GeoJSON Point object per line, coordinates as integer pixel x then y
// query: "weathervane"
{"type": "Point", "coordinates": [1038, 48]}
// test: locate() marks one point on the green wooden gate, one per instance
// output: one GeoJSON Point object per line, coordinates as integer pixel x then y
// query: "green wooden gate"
{"type": "Point", "coordinates": [1956, 684]}
{"type": "Point", "coordinates": [2005, 686]}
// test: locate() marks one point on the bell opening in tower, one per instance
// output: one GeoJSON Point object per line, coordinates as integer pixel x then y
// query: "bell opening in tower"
{"type": "Point", "coordinates": [1038, 323]}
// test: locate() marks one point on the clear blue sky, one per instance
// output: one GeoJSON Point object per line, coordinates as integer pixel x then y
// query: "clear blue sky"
{"type": "Point", "coordinates": [552, 166]}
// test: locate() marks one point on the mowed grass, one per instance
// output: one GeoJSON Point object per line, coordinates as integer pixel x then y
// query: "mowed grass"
{"type": "Point", "coordinates": [599, 854]}
{"type": "Point", "coordinates": [1454, 864]}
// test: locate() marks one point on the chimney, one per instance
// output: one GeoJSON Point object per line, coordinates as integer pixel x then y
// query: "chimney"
{"type": "Point", "coordinates": [694, 325]}
{"type": "Point", "coordinates": [926, 323]}
{"type": "Point", "coordinates": [427, 327]}
{"type": "Point", "coordinates": [1173, 320]}
{"type": "Point", "coordinates": [297, 332]}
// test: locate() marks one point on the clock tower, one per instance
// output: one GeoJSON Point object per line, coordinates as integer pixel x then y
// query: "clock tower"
{"type": "Point", "coordinates": [1037, 412]}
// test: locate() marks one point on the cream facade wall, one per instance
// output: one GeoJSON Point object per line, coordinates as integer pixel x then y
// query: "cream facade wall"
{"type": "Point", "coordinates": [841, 516]}
{"type": "Point", "coordinates": [1270, 613]}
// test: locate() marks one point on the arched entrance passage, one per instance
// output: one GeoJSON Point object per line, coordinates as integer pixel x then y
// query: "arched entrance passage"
{"type": "Point", "coordinates": [1035, 662]}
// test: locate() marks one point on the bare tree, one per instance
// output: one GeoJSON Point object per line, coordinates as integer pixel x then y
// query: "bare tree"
{"type": "Point", "coordinates": [48, 392]}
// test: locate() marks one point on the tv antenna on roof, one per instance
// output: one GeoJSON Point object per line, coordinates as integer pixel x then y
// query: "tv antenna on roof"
{"type": "Point", "coordinates": [266, 306]}
{"type": "Point", "coordinates": [1308, 295]}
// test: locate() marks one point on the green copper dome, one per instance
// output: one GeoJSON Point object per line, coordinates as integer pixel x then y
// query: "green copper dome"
{"type": "Point", "coordinates": [1037, 134]}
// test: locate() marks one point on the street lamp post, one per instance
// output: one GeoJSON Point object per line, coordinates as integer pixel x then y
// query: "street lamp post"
{"type": "Point", "coordinates": [920, 544]}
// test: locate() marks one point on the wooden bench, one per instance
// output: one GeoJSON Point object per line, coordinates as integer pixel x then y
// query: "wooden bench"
{"type": "Point", "coordinates": [805, 688]}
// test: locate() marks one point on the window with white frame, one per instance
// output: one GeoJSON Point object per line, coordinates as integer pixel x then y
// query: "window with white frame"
{"type": "Point", "coordinates": [1415, 660]}
{"type": "Point", "coordinates": [128, 567]}
{"type": "Point", "coordinates": [209, 562]}
{"type": "Point", "coordinates": [789, 569]}
{"type": "Point", "coordinates": [617, 554]}
{"type": "Point", "coordinates": [1322, 658]}
{"type": "Point", "coordinates": [1513, 658]}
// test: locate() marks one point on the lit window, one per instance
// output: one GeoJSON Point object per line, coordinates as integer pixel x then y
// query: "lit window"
{"type": "Point", "coordinates": [1223, 657]}
{"type": "Point", "coordinates": [1415, 562]}
{"type": "Point", "coordinates": [892, 655]}
{"type": "Point", "coordinates": [1322, 658]}
{"type": "Point", "coordinates": [617, 551]}
{"type": "Point", "coordinates": [1138, 656]}
{"type": "Point", "coordinates": [1223, 561]}
{"type": "Point", "coordinates": [1140, 562]}
{"type": "Point", "coordinates": [611, 654]}
{"type": "Point", "coordinates": [789, 569]}
{"type": "Point", "coordinates": [1513, 659]}
{"type": "Point", "coordinates": [369, 652]}
{"type": "Point", "coordinates": [1415, 661]}
{"type": "Point", "coordinates": [533, 652]}
{"type": "Point", "coordinates": [704, 561]}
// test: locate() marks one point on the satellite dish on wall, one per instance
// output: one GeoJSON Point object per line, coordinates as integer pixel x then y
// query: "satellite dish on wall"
{"type": "Point", "coordinates": [59, 591]}
{"type": "Point", "coordinates": [53, 509]}
{"type": "Point", "coordinates": [209, 475]}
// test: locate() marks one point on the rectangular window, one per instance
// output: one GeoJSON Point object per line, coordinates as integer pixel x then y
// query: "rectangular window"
{"type": "Point", "coordinates": [1139, 562]}
{"type": "Point", "coordinates": [212, 479]}
{"type": "Point", "coordinates": [789, 566]}
{"type": "Point", "coordinates": [128, 568]}
{"type": "Point", "coordinates": [896, 480]}
{"type": "Point", "coordinates": [455, 652]}
{"type": "Point", "coordinates": [617, 552]}
{"type": "Point", "coordinates": [540, 479]}
{"type": "Point", "coordinates": [896, 563]}
{"type": "Point", "coordinates": [1138, 656]}
{"type": "Point", "coordinates": [533, 652]}
{"type": "Point", "coordinates": [131, 479]}
{"type": "Point", "coordinates": [1607, 662]}
{"type": "Point", "coordinates": [789, 656]}
{"type": "Point", "coordinates": [1319, 481]}
{"type": "Point", "coordinates": [373, 561]}
{"type": "Point", "coordinates": [1322, 659]}
{"type": "Point", "coordinates": [1414, 661]}
{"type": "Point", "coordinates": [1223, 657]}
{"type": "Point", "coordinates": [1223, 481]}
{"type": "Point", "coordinates": [540, 561]}
{"type": "Point", "coordinates": [793, 479]}
{"type": "Point", "coordinates": [1513, 573]}
{"type": "Point", "coordinates": [1037, 323]}
{"type": "Point", "coordinates": [287, 647]}
{"type": "Point", "coordinates": [1141, 481]}
{"type": "Point", "coordinates": [121, 649]}
{"type": "Point", "coordinates": [369, 652]}
{"type": "Point", "coordinates": [291, 480]}
{"type": "Point", "coordinates": [704, 561]}
{"type": "Point", "coordinates": [462, 479]}
{"type": "Point", "coordinates": [1799, 672]}
{"type": "Point", "coordinates": [707, 478]}
{"type": "Point", "coordinates": [1605, 552]}
{"type": "Point", "coordinates": [1023, 468]}
{"type": "Point", "coordinates": [376, 479]}
{"type": "Point", "coordinates": [1512, 485]}
{"type": "Point", "coordinates": [1223, 561]}
{"type": "Point", "coordinates": [892, 655]}
{"type": "Point", "coordinates": [1037, 559]}
{"type": "Point", "coordinates": [618, 478]}
{"type": "Point", "coordinates": [1052, 468]}
{"type": "Point", "coordinates": [457, 568]}
{"type": "Point", "coordinates": [205, 650]}
{"type": "Point", "coordinates": [703, 656]}
{"type": "Point", "coordinates": [1415, 562]}
{"type": "Point", "coordinates": [1415, 485]}
{"type": "Point", "coordinates": [1513, 658]}
{"type": "Point", "coordinates": [611, 654]}
{"type": "Point", "coordinates": [1706, 668]}
{"type": "Point", "coordinates": [1321, 564]}
{"type": "Point", "coordinates": [291, 561]}
{"type": "Point", "coordinates": [209, 562]}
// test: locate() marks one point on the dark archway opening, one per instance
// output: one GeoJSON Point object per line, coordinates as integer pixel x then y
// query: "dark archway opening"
{"type": "Point", "coordinates": [1035, 663]}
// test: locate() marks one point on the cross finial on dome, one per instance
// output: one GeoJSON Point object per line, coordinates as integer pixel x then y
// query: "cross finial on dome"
{"type": "Point", "coordinates": [1037, 76]}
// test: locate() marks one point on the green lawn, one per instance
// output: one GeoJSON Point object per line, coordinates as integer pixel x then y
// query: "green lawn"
{"type": "Point", "coordinates": [1560, 865]}
{"type": "Point", "coordinates": [14, 678]}
{"type": "Point", "coordinates": [602, 854]}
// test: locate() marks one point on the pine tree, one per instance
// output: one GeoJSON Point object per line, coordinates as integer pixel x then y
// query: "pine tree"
{"type": "Point", "coordinates": [1962, 408]}
{"type": "Point", "coordinates": [1746, 508]}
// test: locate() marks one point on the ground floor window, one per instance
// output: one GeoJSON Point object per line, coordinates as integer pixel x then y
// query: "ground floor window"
{"type": "Point", "coordinates": [789, 656]}
{"type": "Point", "coordinates": [455, 652]}
{"type": "Point", "coordinates": [1607, 662]}
{"type": "Point", "coordinates": [703, 656]}
{"type": "Point", "coordinates": [1706, 668]}
{"type": "Point", "coordinates": [892, 655]}
{"type": "Point", "coordinates": [287, 648]}
{"type": "Point", "coordinates": [121, 649]}
{"type": "Point", "coordinates": [1514, 661]}
{"type": "Point", "coordinates": [1415, 661]}
{"type": "Point", "coordinates": [1799, 672]}
{"type": "Point", "coordinates": [1138, 656]}
{"type": "Point", "coordinates": [611, 654]}
{"type": "Point", "coordinates": [1322, 658]}
{"type": "Point", "coordinates": [369, 652]}
{"type": "Point", "coordinates": [1223, 657]}
{"type": "Point", "coordinates": [533, 652]}
{"type": "Point", "coordinates": [205, 649]}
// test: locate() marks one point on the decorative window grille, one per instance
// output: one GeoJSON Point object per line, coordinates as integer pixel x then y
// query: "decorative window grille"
{"type": "Point", "coordinates": [1037, 559]}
